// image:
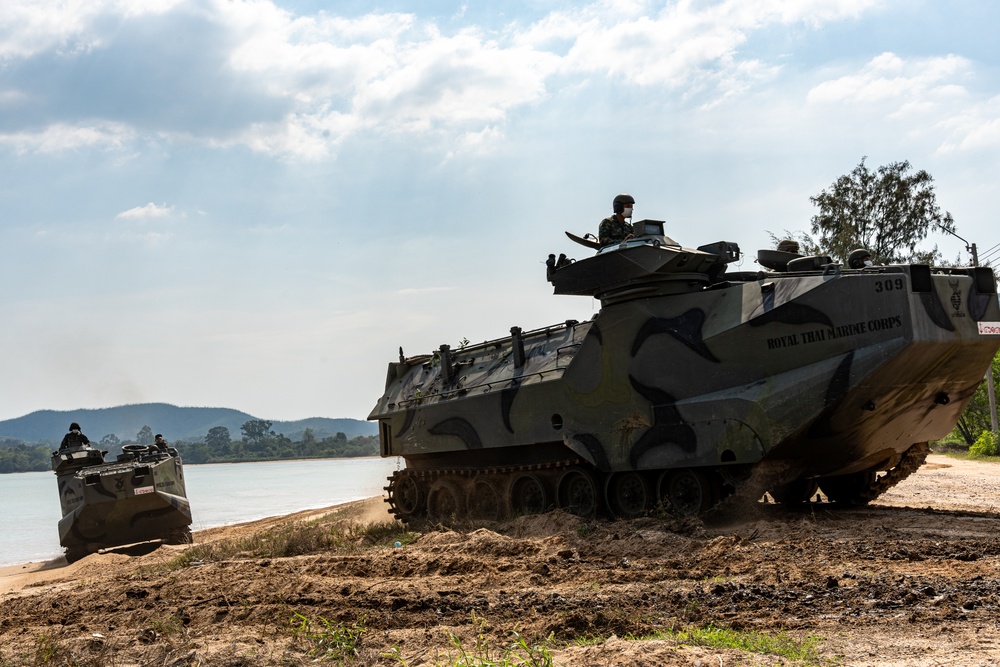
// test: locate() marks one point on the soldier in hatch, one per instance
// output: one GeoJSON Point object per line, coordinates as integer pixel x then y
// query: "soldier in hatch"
{"type": "Point", "coordinates": [614, 229]}
{"type": "Point", "coordinates": [859, 259]}
{"type": "Point", "coordinates": [74, 438]}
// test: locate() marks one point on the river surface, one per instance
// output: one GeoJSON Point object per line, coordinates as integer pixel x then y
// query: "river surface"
{"type": "Point", "coordinates": [220, 494]}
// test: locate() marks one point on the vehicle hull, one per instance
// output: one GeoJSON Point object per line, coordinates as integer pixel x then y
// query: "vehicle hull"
{"type": "Point", "coordinates": [139, 498]}
{"type": "Point", "coordinates": [822, 374]}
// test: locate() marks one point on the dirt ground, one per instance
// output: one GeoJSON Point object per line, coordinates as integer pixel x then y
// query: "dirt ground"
{"type": "Point", "coordinates": [909, 580]}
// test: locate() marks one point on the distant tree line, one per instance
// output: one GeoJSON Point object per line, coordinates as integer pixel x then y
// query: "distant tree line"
{"type": "Point", "coordinates": [257, 443]}
{"type": "Point", "coordinates": [20, 457]}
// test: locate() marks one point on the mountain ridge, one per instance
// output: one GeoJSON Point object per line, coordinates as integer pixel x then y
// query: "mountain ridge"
{"type": "Point", "coordinates": [174, 422]}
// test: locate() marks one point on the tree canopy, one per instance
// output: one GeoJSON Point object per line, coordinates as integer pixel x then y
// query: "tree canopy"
{"type": "Point", "coordinates": [256, 430]}
{"type": "Point", "coordinates": [888, 212]}
{"type": "Point", "coordinates": [144, 436]}
{"type": "Point", "coordinates": [218, 436]}
{"type": "Point", "coordinates": [24, 457]}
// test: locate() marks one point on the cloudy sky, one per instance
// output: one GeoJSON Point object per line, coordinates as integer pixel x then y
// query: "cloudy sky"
{"type": "Point", "coordinates": [253, 204]}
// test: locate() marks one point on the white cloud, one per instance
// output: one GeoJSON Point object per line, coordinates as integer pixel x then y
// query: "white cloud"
{"type": "Point", "coordinates": [302, 136]}
{"type": "Point", "coordinates": [676, 45]}
{"type": "Point", "coordinates": [460, 80]}
{"type": "Point", "coordinates": [890, 78]}
{"type": "Point", "coordinates": [67, 137]}
{"type": "Point", "coordinates": [975, 127]}
{"type": "Point", "coordinates": [383, 73]}
{"type": "Point", "coordinates": [298, 86]}
{"type": "Point", "coordinates": [33, 27]}
{"type": "Point", "coordinates": [147, 212]}
{"type": "Point", "coordinates": [65, 27]}
{"type": "Point", "coordinates": [929, 93]}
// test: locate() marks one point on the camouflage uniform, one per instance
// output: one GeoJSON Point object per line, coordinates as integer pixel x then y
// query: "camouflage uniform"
{"type": "Point", "coordinates": [613, 231]}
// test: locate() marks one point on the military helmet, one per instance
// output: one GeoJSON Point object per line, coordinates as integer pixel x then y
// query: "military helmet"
{"type": "Point", "coordinates": [620, 201]}
{"type": "Point", "coordinates": [856, 260]}
{"type": "Point", "coordinates": [789, 245]}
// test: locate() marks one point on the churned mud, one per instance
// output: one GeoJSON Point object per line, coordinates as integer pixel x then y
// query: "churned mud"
{"type": "Point", "coordinates": [909, 580]}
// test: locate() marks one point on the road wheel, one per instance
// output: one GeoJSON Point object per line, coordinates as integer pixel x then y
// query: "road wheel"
{"type": "Point", "coordinates": [484, 501]}
{"type": "Point", "coordinates": [688, 492]}
{"type": "Point", "coordinates": [405, 496]}
{"type": "Point", "coordinates": [444, 502]}
{"type": "Point", "coordinates": [628, 494]}
{"type": "Point", "coordinates": [578, 493]}
{"type": "Point", "coordinates": [527, 495]}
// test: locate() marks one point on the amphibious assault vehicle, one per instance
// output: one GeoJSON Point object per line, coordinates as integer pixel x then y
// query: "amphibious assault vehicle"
{"type": "Point", "coordinates": [693, 382]}
{"type": "Point", "coordinates": [137, 498]}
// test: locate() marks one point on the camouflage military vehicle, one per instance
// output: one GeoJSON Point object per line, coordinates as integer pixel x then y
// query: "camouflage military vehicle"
{"type": "Point", "coordinates": [139, 497]}
{"type": "Point", "coordinates": [690, 383]}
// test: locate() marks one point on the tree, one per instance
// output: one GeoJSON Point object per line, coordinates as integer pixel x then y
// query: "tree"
{"type": "Point", "coordinates": [256, 430]}
{"type": "Point", "coordinates": [24, 458]}
{"type": "Point", "coordinates": [144, 436]}
{"type": "Point", "coordinates": [976, 417]}
{"type": "Point", "coordinates": [887, 211]}
{"type": "Point", "coordinates": [218, 436]}
{"type": "Point", "coordinates": [111, 444]}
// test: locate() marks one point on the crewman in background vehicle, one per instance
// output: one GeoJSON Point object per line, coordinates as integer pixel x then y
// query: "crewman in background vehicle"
{"type": "Point", "coordinates": [75, 438]}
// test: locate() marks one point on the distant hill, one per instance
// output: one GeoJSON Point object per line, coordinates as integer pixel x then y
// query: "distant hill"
{"type": "Point", "coordinates": [175, 423]}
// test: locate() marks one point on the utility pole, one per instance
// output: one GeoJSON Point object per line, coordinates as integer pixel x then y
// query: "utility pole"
{"type": "Point", "coordinates": [990, 388]}
{"type": "Point", "coordinates": [993, 399]}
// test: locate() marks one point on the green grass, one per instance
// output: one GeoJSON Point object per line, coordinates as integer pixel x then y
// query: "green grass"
{"type": "Point", "coordinates": [980, 459]}
{"type": "Point", "coordinates": [169, 627]}
{"type": "Point", "coordinates": [326, 640]}
{"type": "Point", "coordinates": [781, 645]}
{"type": "Point", "coordinates": [964, 456]}
{"type": "Point", "coordinates": [485, 651]}
{"type": "Point", "coordinates": [594, 640]}
{"type": "Point", "coordinates": [47, 650]}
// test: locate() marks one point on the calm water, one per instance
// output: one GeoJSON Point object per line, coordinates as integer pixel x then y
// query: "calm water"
{"type": "Point", "coordinates": [219, 494]}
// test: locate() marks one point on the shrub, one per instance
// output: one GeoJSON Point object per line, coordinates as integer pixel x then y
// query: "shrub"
{"type": "Point", "coordinates": [985, 445]}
